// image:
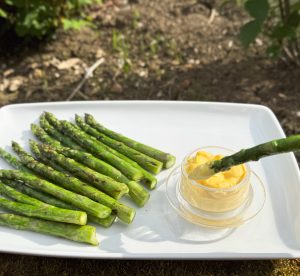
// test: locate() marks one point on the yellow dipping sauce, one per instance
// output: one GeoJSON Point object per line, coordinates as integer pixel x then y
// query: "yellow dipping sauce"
{"type": "Point", "coordinates": [225, 179]}
{"type": "Point", "coordinates": [219, 193]}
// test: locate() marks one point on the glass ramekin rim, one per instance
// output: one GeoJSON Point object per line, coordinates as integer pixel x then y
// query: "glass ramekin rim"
{"type": "Point", "coordinates": [193, 182]}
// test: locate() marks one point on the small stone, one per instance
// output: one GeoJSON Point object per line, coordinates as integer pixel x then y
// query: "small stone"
{"type": "Point", "coordinates": [281, 95]}
{"type": "Point", "coordinates": [8, 72]}
{"type": "Point", "coordinates": [230, 44]}
{"type": "Point", "coordinates": [7, 98]}
{"type": "Point", "coordinates": [33, 65]}
{"type": "Point", "coordinates": [298, 113]}
{"type": "Point", "coordinates": [140, 25]}
{"type": "Point", "coordinates": [100, 53]}
{"type": "Point", "coordinates": [78, 70]}
{"type": "Point", "coordinates": [16, 83]}
{"type": "Point", "coordinates": [175, 62]}
{"type": "Point", "coordinates": [69, 63]}
{"type": "Point", "coordinates": [38, 73]}
{"type": "Point", "coordinates": [57, 75]}
{"type": "Point", "coordinates": [143, 73]}
{"type": "Point", "coordinates": [159, 94]}
{"type": "Point", "coordinates": [116, 88]}
{"type": "Point", "coordinates": [258, 42]}
{"type": "Point", "coordinates": [4, 85]}
{"type": "Point", "coordinates": [141, 63]}
{"type": "Point", "coordinates": [185, 83]}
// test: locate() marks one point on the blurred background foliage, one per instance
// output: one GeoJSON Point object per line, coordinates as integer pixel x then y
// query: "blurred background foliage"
{"type": "Point", "coordinates": [278, 21]}
{"type": "Point", "coordinates": [38, 18]}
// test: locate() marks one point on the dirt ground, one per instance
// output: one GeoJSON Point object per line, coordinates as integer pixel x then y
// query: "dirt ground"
{"type": "Point", "coordinates": [154, 50]}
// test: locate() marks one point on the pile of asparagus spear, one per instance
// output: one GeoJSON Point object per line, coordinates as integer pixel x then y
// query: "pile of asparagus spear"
{"type": "Point", "coordinates": [77, 174]}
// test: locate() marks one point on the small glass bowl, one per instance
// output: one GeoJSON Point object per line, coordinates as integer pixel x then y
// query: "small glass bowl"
{"type": "Point", "coordinates": [213, 199]}
{"type": "Point", "coordinates": [215, 207]}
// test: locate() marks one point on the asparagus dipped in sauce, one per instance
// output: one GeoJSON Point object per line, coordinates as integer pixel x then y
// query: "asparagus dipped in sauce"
{"type": "Point", "coordinates": [255, 153]}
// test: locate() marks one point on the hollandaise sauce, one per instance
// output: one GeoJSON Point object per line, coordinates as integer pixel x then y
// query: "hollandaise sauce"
{"type": "Point", "coordinates": [221, 192]}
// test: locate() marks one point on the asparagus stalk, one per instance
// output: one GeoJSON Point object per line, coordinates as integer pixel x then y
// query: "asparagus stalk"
{"type": "Point", "coordinates": [12, 160]}
{"type": "Point", "coordinates": [94, 163]}
{"type": "Point", "coordinates": [83, 157]}
{"type": "Point", "coordinates": [101, 166]}
{"type": "Point", "coordinates": [148, 163]}
{"type": "Point", "coordinates": [106, 222]}
{"type": "Point", "coordinates": [138, 194]}
{"type": "Point", "coordinates": [86, 233]}
{"type": "Point", "coordinates": [13, 193]}
{"type": "Point", "coordinates": [99, 150]}
{"type": "Point", "coordinates": [148, 179]}
{"type": "Point", "coordinates": [82, 202]}
{"type": "Point", "coordinates": [124, 212]}
{"type": "Point", "coordinates": [37, 197]}
{"type": "Point", "coordinates": [80, 156]}
{"type": "Point", "coordinates": [167, 159]}
{"type": "Point", "coordinates": [65, 140]}
{"type": "Point", "coordinates": [104, 183]}
{"type": "Point", "coordinates": [36, 194]}
{"type": "Point", "coordinates": [291, 143]}
{"type": "Point", "coordinates": [43, 136]}
{"type": "Point", "coordinates": [95, 147]}
{"type": "Point", "coordinates": [44, 211]}
{"type": "Point", "coordinates": [206, 170]}
{"type": "Point", "coordinates": [35, 149]}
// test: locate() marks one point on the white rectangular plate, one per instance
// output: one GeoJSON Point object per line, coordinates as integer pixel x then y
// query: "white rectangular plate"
{"type": "Point", "coordinates": [157, 232]}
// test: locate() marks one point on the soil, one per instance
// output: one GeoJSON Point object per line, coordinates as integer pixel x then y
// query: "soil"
{"type": "Point", "coordinates": [153, 50]}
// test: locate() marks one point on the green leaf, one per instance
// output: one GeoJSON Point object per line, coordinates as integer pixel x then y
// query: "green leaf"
{"type": "Point", "coordinates": [274, 51]}
{"type": "Point", "coordinates": [75, 24]}
{"type": "Point", "coordinates": [295, 7]}
{"type": "Point", "coordinates": [249, 32]}
{"type": "Point", "coordinates": [115, 40]}
{"type": "Point", "coordinates": [294, 19]}
{"type": "Point", "coordinates": [3, 13]}
{"type": "Point", "coordinates": [258, 9]}
{"type": "Point", "coordinates": [285, 31]}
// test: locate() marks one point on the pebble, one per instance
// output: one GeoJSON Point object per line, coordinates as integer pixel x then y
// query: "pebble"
{"type": "Point", "coordinates": [8, 72]}
{"type": "Point", "coordinates": [281, 95]}
{"type": "Point", "coordinates": [38, 73]}
{"type": "Point", "coordinates": [117, 88]}
{"type": "Point", "coordinates": [258, 42]}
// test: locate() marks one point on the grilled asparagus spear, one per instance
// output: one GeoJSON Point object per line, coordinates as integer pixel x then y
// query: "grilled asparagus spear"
{"type": "Point", "coordinates": [86, 233]}
{"type": "Point", "coordinates": [167, 159]}
{"type": "Point", "coordinates": [82, 202]}
{"type": "Point", "coordinates": [150, 164]}
{"type": "Point", "coordinates": [124, 212]}
{"type": "Point", "coordinates": [41, 210]}
{"type": "Point", "coordinates": [37, 197]}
